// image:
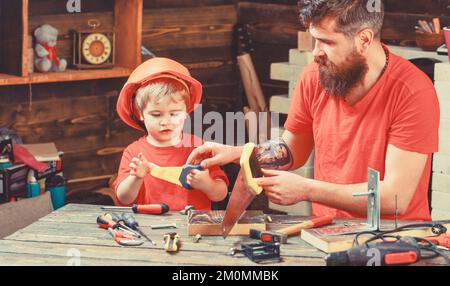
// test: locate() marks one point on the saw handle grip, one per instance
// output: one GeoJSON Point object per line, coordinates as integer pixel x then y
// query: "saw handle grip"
{"type": "Point", "coordinates": [185, 172]}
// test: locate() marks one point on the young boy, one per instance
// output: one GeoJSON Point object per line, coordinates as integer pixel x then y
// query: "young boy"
{"type": "Point", "coordinates": [157, 98]}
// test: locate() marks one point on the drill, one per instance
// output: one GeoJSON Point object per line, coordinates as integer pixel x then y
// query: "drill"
{"type": "Point", "coordinates": [404, 251]}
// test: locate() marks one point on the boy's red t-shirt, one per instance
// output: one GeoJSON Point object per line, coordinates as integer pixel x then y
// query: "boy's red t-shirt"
{"type": "Point", "coordinates": [401, 109]}
{"type": "Point", "coordinates": [155, 190]}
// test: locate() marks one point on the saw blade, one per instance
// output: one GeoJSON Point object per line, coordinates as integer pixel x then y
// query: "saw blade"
{"type": "Point", "coordinates": [170, 174]}
{"type": "Point", "coordinates": [240, 199]}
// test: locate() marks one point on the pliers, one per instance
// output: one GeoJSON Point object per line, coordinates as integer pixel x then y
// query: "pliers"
{"type": "Point", "coordinates": [124, 239]}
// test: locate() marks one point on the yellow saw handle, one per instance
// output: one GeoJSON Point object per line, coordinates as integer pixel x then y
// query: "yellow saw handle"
{"type": "Point", "coordinates": [250, 168]}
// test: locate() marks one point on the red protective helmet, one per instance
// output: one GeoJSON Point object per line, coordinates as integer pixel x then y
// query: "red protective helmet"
{"type": "Point", "coordinates": [148, 71]}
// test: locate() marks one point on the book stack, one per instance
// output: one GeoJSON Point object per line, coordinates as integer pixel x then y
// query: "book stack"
{"type": "Point", "coordinates": [289, 72]}
{"type": "Point", "coordinates": [440, 197]}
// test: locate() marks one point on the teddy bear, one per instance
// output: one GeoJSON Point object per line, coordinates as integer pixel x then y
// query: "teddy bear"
{"type": "Point", "coordinates": [46, 60]}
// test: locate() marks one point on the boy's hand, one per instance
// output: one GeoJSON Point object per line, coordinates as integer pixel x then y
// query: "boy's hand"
{"type": "Point", "coordinates": [140, 166]}
{"type": "Point", "coordinates": [199, 180]}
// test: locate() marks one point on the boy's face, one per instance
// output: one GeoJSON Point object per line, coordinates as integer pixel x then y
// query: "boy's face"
{"type": "Point", "coordinates": [164, 121]}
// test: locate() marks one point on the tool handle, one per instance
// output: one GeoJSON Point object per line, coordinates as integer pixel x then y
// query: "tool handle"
{"type": "Point", "coordinates": [155, 209]}
{"type": "Point", "coordinates": [185, 172]}
{"type": "Point", "coordinates": [316, 222]}
{"type": "Point", "coordinates": [105, 222]}
{"type": "Point", "coordinates": [130, 221]}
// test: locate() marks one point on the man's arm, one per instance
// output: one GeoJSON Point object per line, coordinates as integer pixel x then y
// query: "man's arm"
{"type": "Point", "coordinates": [286, 153]}
{"type": "Point", "coordinates": [402, 175]}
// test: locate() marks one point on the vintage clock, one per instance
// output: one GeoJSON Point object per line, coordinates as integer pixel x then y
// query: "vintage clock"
{"type": "Point", "coordinates": [93, 48]}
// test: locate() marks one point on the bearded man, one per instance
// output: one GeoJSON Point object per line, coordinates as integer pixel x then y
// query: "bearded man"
{"type": "Point", "coordinates": [359, 106]}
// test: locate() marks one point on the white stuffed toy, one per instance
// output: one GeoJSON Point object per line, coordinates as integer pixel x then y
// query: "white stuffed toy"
{"type": "Point", "coordinates": [46, 59]}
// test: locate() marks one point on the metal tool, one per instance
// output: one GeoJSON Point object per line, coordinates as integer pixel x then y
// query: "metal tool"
{"type": "Point", "coordinates": [124, 239]}
{"type": "Point", "coordinates": [164, 226]}
{"type": "Point", "coordinates": [186, 210]}
{"type": "Point", "coordinates": [121, 222]}
{"type": "Point", "coordinates": [245, 188]}
{"type": "Point", "coordinates": [155, 209]}
{"type": "Point", "coordinates": [106, 222]}
{"type": "Point", "coordinates": [281, 235]}
{"type": "Point", "coordinates": [131, 222]}
{"type": "Point", "coordinates": [171, 242]}
{"type": "Point", "coordinates": [175, 175]}
{"type": "Point", "coordinates": [260, 252]}
{"type": "Point", "coordinates": [373, 201]}
{"type": "Point", "coordinates": [197, 238]}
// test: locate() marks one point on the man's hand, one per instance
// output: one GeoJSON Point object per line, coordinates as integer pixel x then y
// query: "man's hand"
{"type": "Point", "coordinates": [213, 154]}
{"type": "Point", "coordinates": [284, 188]}
{"type": "Point", "coordinates": [140, 166]}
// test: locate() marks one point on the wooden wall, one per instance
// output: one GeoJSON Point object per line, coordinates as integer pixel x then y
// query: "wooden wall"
{"type": "Point", "coordinates": [80, 116]}
{"type": "Point", "coordinates": [274, 25]}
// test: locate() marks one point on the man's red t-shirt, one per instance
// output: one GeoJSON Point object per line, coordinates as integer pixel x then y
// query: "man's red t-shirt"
{"type": "Point", "coordinates": [155, 190]}
{"type": "Point", "coordinates": [401, 109]}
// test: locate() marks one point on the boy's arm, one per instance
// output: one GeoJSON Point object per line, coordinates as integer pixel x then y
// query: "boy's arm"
{"type": "Point", "coordinates": [128, 189]}
{"type": "Point", "coordinates": [212, 182]}
{"type": "Point", "coordinates": [132, 171]}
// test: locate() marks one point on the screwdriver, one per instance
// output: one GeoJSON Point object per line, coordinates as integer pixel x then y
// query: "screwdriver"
{"type": "Point", "coordinates": [131, 222]}
{"type": "Point", "coordinates": [155, 209]}
{"type": "Point", "coordinates": [121, 222]}
{"type": "Point", "coordinates": [106, 222]}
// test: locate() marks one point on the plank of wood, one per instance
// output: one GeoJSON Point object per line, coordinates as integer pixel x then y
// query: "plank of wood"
{"type": "Point", "coordinates": [11, 36]}
{"type": "Point", "coordinates": [442, 72]}
{"type": "Point", "coordinates": [285, 71]}
{"type": "Point", "coordinates": [440, 215]}
{"type": "Point", "coordinates": [280, 103]}
{"type": "Point", "coordinates": [197, 27]}
{"type": "Point", "coordinates": [440, 182]}
{"type": "Point", "coordinates": [128, 28]}
{"type": "Point", "coordinates": [440, 200]}
{"type": "Point", "coordinates": [302, 58]}
{"type": "Point", "coordinates": [441, 163]}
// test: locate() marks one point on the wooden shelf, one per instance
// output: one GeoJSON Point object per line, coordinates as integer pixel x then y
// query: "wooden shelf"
{"type": "Point", "coordinates": [123, 16]}
{"type": "Point", "coordinates": [68, 75]}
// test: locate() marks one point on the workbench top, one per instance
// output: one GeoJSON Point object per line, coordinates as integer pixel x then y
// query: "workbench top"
{"type": "Point", "coordinates": [71, 232]}
{"type": "Point", "coordinates": [71, 236]}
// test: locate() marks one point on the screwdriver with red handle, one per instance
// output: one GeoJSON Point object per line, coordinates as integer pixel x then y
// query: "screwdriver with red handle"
{"type": "Point", "coordinates": [155, 209]}
{"type": "Point", "coordinates": [106, 222]}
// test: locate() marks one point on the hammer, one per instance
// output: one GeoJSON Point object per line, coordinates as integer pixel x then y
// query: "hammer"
{"type": "Point", "coordinates": [282, 234]}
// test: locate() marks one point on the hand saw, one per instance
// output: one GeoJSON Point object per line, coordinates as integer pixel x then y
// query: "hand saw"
{"type": "Point", "coordinates": [175, 175]}
{"type": "Point", "coordinates": [245, 188]}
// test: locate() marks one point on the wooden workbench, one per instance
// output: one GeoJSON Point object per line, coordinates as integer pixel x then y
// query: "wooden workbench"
{"type": "Point", "coordinates": [59, 237]}
{"type": "Point", "coordinates": [55, 238]}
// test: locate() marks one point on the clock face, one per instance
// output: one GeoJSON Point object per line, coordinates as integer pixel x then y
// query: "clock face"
{"type": "Point", "coordinates": [96, 48]}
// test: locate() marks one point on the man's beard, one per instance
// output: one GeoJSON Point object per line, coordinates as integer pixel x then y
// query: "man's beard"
{"type": "Point", "coordinates": [338, 81]}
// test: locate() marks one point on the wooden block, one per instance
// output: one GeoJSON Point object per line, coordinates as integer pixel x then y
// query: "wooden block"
{"type": "Point", "coordinates": [414, 53]}
{"type": "Point", "coordinates": [444, 145]}
{"type": "Point", "coordinates": [305, 42]}
{"type": "Point", "coordinates": [440, 215]}
{"type": "Point", "coordinates": [285, 71]}
{"type": "Point", "coordinates": [292, 85]}
{"type": "Point", "coordinates": [442, 72]}
{"type": "Point", "coordinates": [444, 127]}
{"type": "Point", "coordinates": [440, 200]}
{"type": "Point", "coordinates": [441, 164]}
{"type": "Point", "coordinates": [280, 104]}
{"type": "Point", "coordinates": [444, 106]}
{"type": "Point", "coordinates": [441, 183]}
{"type": "Point", "coordinates": [443, 90]}
{"type": "Point", "coordinates": [209, 223]}
{"type": "Point", "coordinates": [297, 57]}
